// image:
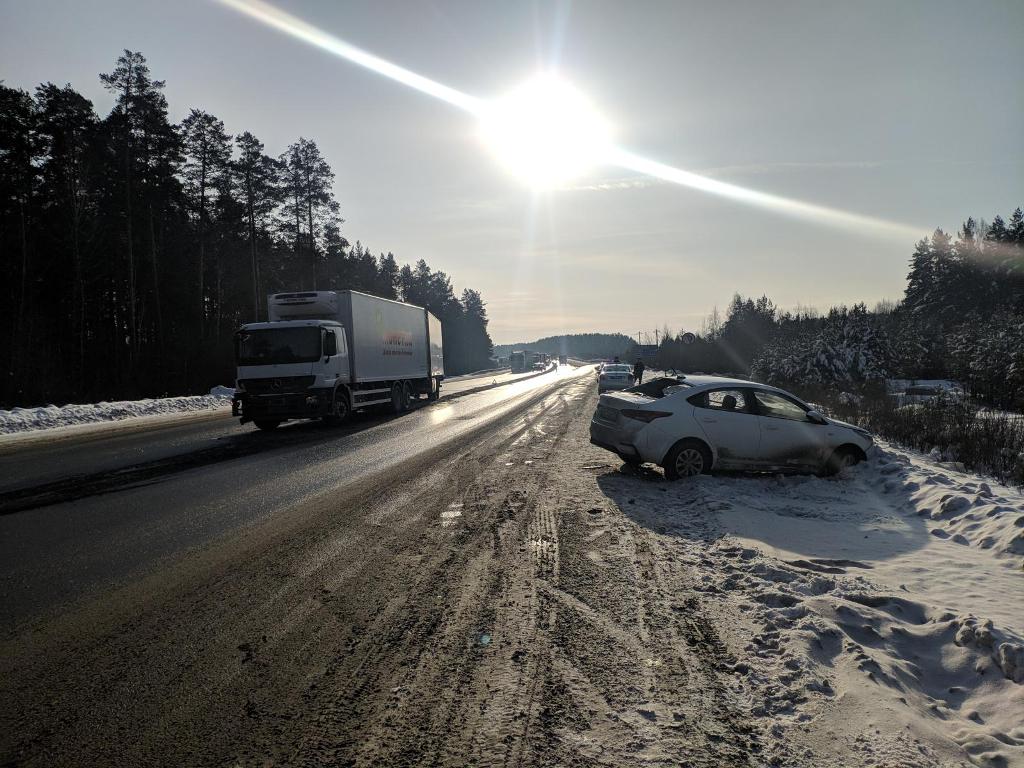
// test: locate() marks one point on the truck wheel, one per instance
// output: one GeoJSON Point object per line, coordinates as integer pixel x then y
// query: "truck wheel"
{"type": "Point", "coordinates": [435, 390]}
{"type": "Point", "coordinates": [267, 424]}
{"type": "Point", "coordinates": [396, 398]}
{"type": "Point", "coordinates": [406, 396]}
{"type": "Point", "coordinates": [339, 409]}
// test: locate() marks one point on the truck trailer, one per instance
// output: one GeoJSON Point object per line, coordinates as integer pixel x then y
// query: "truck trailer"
{"type": "Point", "coordinates": [325, 354]}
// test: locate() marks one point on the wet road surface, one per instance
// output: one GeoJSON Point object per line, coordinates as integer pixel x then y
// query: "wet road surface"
{"type": "Point", "coordinates": [448, 588]}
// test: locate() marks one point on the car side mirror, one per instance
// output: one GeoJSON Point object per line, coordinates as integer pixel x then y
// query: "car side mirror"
{"type": "Point", "coordinates": [816, 417]}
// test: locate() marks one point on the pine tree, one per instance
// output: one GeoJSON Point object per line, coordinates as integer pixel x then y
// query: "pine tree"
{"type": "Point", "coordinates": [139, 101]}
{"type": "Point", "coordinates": [310, 199]}
{"type": "Point", "coordinates": [67, 127]}
{"type": "Point", "coordinates": [259, 182]}
{"type": "Point", "coordinates": [208, 150]}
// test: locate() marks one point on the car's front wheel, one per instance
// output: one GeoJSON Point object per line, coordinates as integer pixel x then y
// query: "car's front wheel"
{"type": "Point", "coordinates": [687, 459]}
{"type": "Point", "coordinates": [842, 458]}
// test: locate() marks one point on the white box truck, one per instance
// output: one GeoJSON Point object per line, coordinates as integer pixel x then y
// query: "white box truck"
{"type": "Point", "coordinates": [325, 354]}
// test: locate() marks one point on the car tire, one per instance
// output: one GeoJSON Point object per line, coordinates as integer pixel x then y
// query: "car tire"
{"type": "Point", "coordinates": [840, 459]}
{"type": "Point", "coordinates": [406, 396]}
{"type": "Point", "coordinates": [396, 397]}
{"type": "Point", "coordinates": [687, 458]}
{"type": "Point", "coordinates": [267, 425]}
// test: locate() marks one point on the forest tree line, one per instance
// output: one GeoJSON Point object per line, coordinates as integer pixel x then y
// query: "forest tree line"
{"type": "Point", "coordinates": [585, 346]}
{"type": "Point", "coordinates": [961, 317]}
{"type": "Point", "coordinates": [132, 248]}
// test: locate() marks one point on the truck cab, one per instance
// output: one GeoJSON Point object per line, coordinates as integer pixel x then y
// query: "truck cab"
{"type": "Point", "coordinates": [289, 369]}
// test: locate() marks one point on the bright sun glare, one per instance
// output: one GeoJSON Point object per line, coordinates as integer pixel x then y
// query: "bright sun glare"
{"type": "Point", "coordinates": [545, 132]}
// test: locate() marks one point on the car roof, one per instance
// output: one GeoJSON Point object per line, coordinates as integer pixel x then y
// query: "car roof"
{"type": "Point", "coordinates": [718, 381]}
{"type": "Point", "coordinates": [701, 383]}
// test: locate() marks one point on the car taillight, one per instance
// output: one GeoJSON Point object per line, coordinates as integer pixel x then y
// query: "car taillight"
{"type": "Point", "coordinates": [645, 416]}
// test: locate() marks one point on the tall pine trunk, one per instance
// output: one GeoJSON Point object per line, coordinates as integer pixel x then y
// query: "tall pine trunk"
{"type": "Point", "coordinates": [202, 248]}
{"type": "Point", "coordinates": [154, 259]}
{"type": "Point", "coordinates": [251, 216]}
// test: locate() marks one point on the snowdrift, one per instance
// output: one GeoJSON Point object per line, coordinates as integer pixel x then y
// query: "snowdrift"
{"type": "Point", "coordinates": [52, 416]}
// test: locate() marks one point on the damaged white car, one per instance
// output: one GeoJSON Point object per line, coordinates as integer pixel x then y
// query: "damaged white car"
{"type": "Point", "coordinates": [690, 425]}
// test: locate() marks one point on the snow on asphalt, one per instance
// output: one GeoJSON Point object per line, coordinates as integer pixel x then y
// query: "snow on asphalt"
{"type": "Point", "coordinates": [881, 609]}
{"type": "Point", "coordinates": [53, 417]}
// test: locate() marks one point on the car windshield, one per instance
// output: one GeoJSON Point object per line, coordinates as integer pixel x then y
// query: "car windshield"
{"type": "Point", "coordinates": [617, 369]}
{"type": "Point", "coordinates": [276, 346]}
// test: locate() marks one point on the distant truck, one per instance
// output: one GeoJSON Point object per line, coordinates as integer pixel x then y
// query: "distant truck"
{"type": "Point", "coordinates": [325, 354]}
{"type": "Point", "coordinates": [520, 361]}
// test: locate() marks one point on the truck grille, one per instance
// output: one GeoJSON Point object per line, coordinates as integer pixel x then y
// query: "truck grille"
{"type": "Point", "coordinates": [277, 386]}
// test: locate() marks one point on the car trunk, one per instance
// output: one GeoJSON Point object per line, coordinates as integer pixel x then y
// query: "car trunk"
{"type": "Point", "coordinates": [610, 405]}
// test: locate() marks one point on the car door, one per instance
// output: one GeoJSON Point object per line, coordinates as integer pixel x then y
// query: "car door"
{"type": "Point", "coordinates": [788, 437]}
{"type": "Point", "coordinates": [729, 421]}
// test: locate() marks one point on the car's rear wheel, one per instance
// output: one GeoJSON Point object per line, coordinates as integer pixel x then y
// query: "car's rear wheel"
{"type": "Point", "coordinates": [841, 459]}
{"type": "Point", "coordinates": [687, 459]}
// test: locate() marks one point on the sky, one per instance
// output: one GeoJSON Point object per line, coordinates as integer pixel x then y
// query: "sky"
{"type": "Point", "coordinates": [908, 112]}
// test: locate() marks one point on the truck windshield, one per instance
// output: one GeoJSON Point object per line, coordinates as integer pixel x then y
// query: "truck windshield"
{"type": "Point", "coordinates": [272, 346]}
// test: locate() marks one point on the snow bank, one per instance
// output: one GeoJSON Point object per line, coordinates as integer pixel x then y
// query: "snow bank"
{"type": "Point", "coordinates": [884, 605]}
{"type": "Point", "coordinates": [52, 416]}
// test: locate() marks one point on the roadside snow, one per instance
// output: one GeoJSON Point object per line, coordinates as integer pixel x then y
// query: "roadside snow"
{"type": "Point", "coordinates": [21, 420]}
{"type": "Point", "coordinates": [876, 618]}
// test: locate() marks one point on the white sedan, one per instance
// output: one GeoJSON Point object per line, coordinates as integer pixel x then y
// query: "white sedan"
{"type": "Point", "coordinates": [694, 424]}
{"type": "Point", "coordinates": [614, 376]}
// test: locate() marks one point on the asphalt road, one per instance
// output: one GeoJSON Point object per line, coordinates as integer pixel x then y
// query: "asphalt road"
{"type": "Point", "coordinates": [457, 586]}
{"type": "Point", "coordinates": [30, 460]}
{"type": "Point", "coordinates": [82, 513]}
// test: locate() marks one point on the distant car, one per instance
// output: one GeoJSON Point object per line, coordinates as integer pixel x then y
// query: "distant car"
{"type": "Point", "coordinates": [695, 424]}
{"type": "Point", "coordinates": [921, 394]}
{"type": "Point", "coordinates": [615, 376]}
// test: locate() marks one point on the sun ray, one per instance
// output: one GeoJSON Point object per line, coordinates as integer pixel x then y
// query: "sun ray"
{"type": "Point", "coordinates": [556, 157]}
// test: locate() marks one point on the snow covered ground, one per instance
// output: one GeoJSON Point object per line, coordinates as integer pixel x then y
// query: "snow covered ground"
{"type": "Point", "coordinates": [875, 618]}
{"type": "Point", "coordinates": [21, 420]}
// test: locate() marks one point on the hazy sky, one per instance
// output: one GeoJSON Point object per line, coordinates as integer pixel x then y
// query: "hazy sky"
{"type": "Point", "coordinates": [907, 111]}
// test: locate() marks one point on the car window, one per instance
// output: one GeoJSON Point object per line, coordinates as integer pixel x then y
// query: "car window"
{"type": "Point", "coordinates": [779, 407]}
{"type": "Point", "coordinates": [723, 400]}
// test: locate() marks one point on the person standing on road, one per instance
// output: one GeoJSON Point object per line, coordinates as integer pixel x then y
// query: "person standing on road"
{"type": "Point", "coordinates": [638, 372]}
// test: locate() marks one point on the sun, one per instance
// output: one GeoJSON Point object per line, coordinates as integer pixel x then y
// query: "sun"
{"type": "Point", "coordinates": [545, 132]}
